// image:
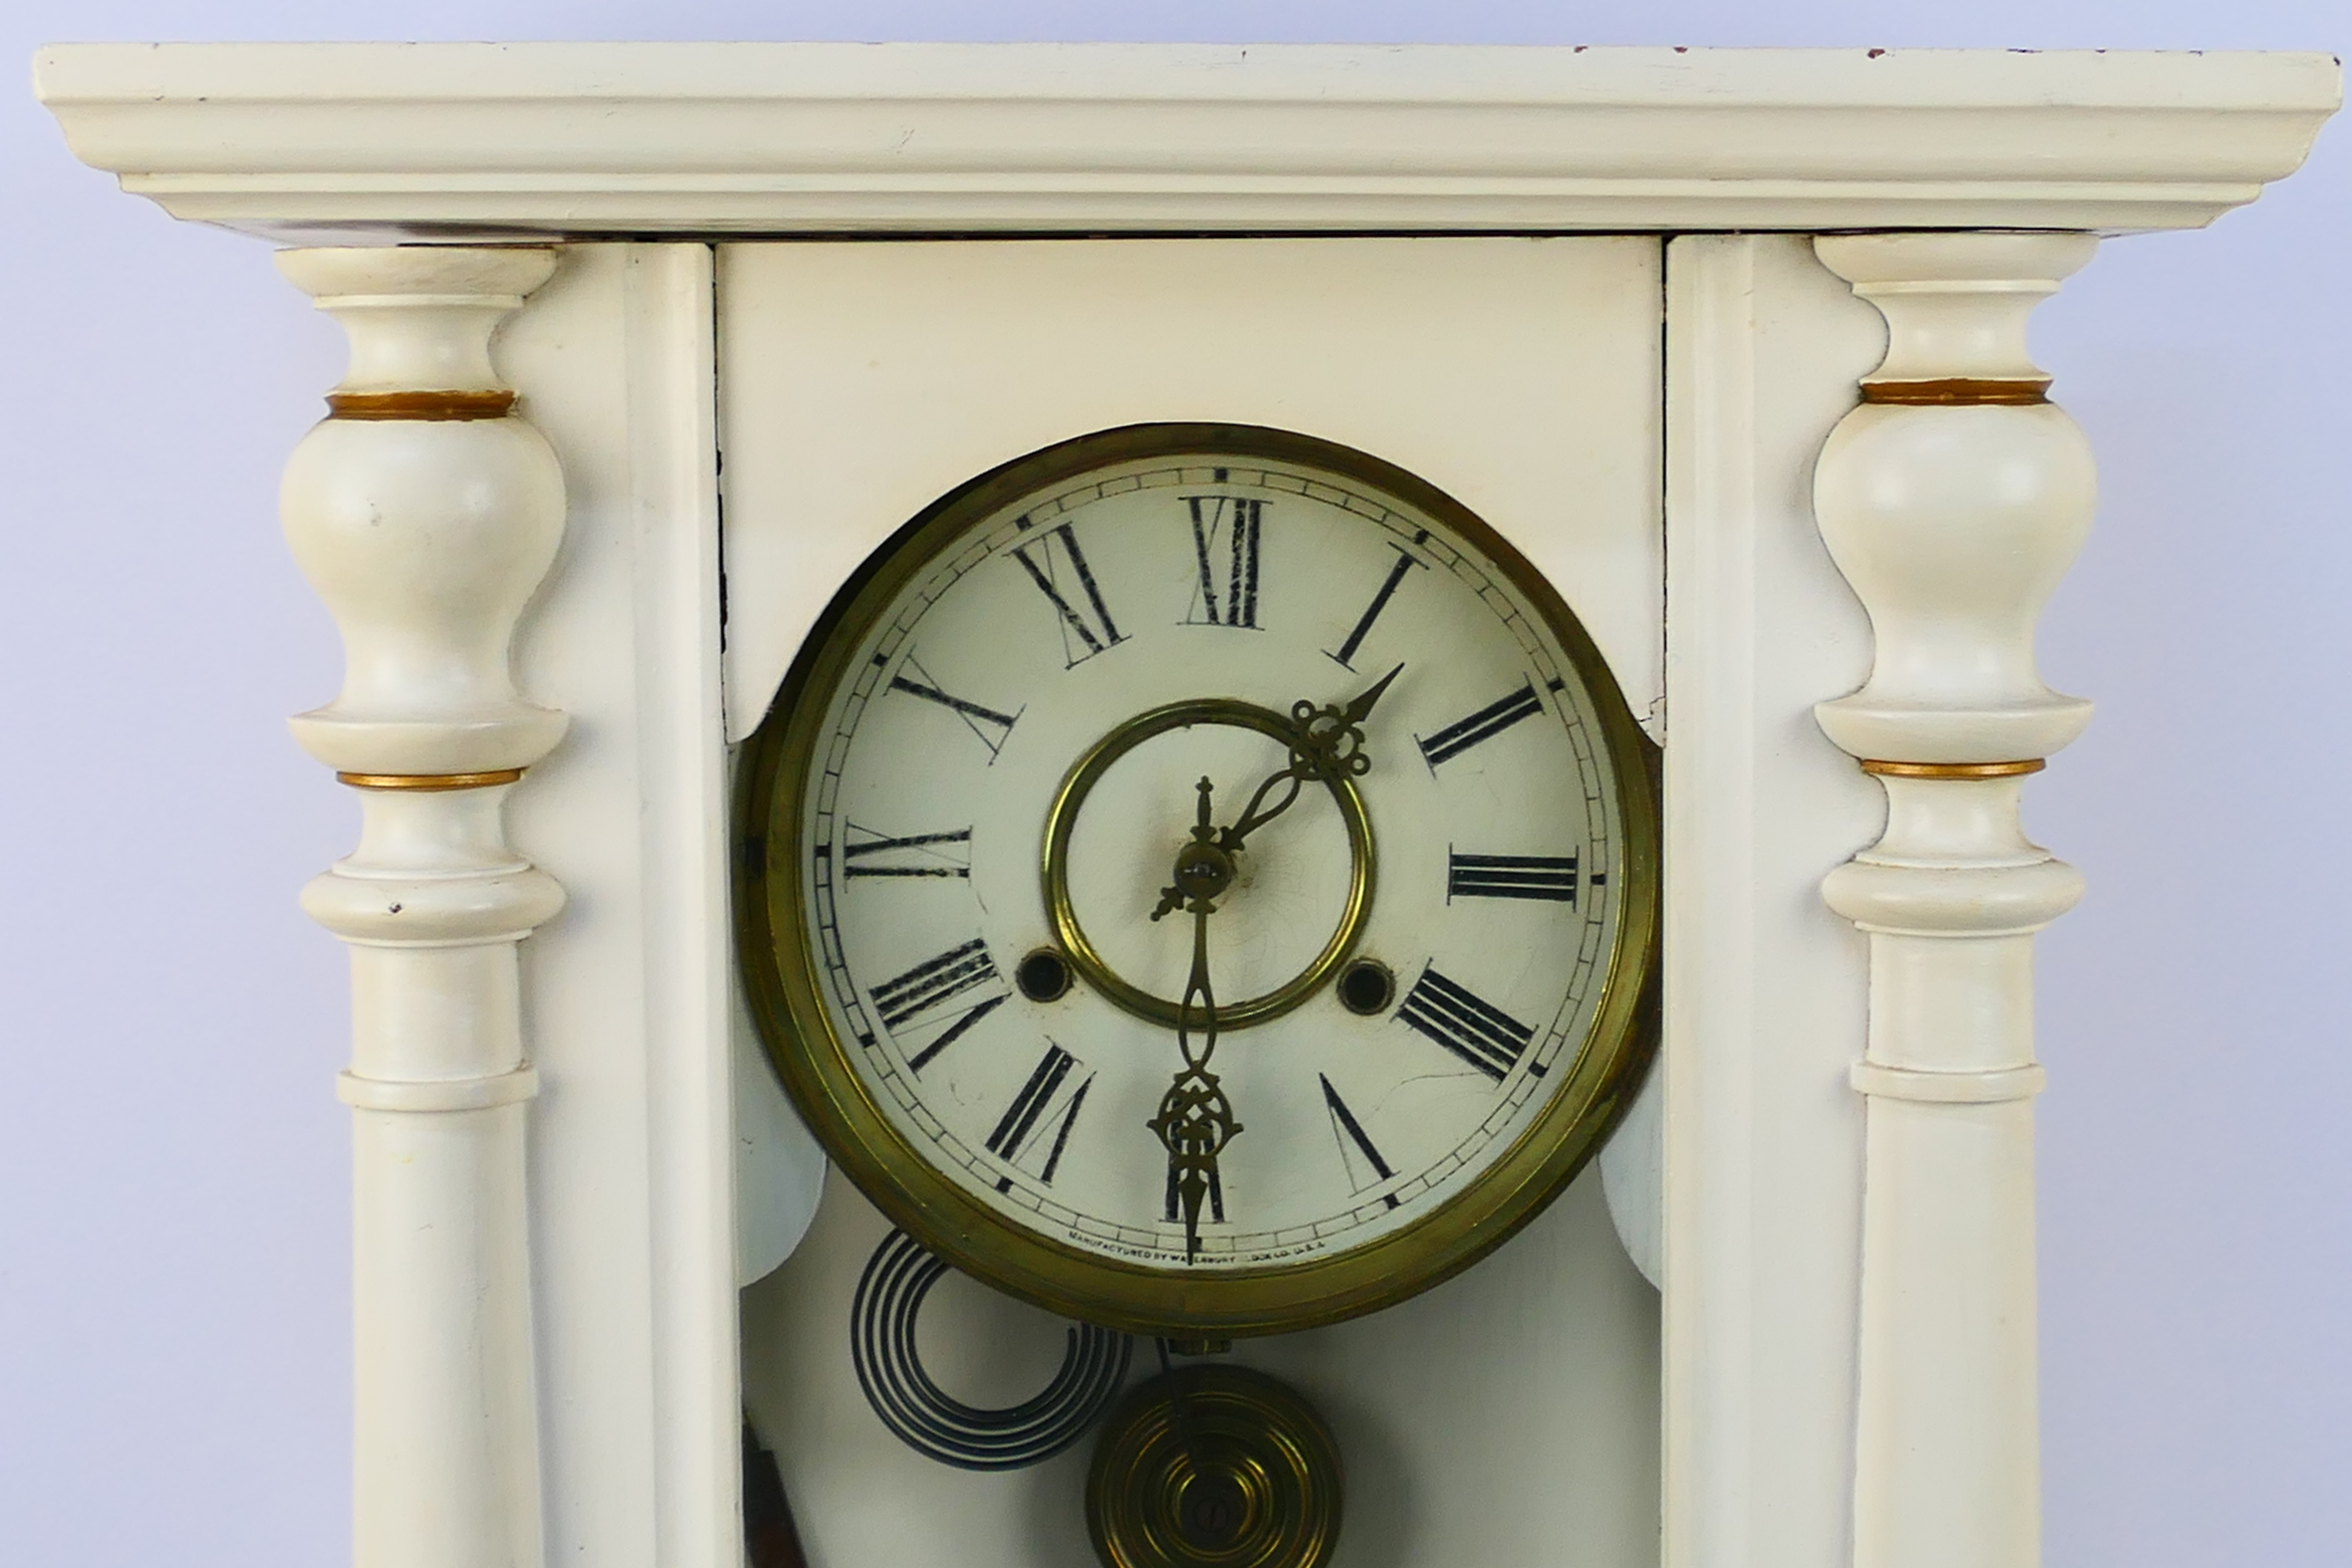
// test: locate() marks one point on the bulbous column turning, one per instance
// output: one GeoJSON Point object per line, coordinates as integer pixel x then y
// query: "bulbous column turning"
{"type": "Point", "coordinates": [1953, 499]}
{"type": "Point", "coordinates": [425, 514]}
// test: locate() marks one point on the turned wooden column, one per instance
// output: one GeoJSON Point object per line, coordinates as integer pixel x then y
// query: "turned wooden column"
{"type": "Point", "coordinates": [1953, 499]}
{"type": "Point", "coordinates": [425, 513]}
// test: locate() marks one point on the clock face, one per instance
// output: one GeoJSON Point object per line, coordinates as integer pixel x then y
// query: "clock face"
{"type": "Point", "coordinates": [1203, 880]}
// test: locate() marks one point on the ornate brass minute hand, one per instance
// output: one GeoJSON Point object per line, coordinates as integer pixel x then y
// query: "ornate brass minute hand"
{"type": "Point", "coordinates": [1326, 742]}
{"type": "Point", "coordinates": [1196, 1121]}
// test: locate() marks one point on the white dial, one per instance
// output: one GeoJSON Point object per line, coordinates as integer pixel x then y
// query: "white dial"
{"type": "Point", "coordinates": [1397, 1007]}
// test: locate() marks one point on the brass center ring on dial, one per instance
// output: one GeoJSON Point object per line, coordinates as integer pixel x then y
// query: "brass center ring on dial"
{"type": "Point", "coordinates": [1061, 822]}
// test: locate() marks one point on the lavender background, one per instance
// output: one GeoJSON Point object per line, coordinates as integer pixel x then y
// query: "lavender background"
{"type": "Point", "coordinates": [173, 1273]}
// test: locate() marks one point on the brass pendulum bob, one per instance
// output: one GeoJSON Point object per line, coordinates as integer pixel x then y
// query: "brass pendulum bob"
{"type": "Point", "coordinates": [1214, 1465]}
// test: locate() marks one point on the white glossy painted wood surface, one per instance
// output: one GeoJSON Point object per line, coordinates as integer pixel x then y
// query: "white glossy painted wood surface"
{"type": "Point", "coordinates": [1764, 987]}
{"type": "Point", "coordinates": [587, 138]}
{"type": "Point", "coordinates": [632, 1221]}
{"type": "Point", "coordinates": [1953, 524]}
{"type": "Point", "coordinates": [862, 383]}
{"type": "Point", "coordinates": [426, 537]}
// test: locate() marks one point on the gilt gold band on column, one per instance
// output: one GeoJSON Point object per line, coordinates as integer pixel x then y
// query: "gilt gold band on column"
{"type": "Point", "coordinates": [1960, 391]}
{"type": "Point", "coordinates": [430, 782]}
{"type": "Point", "coordinates": [1953, 770]}
{"type": "Point", "coordinates": [493, 405]}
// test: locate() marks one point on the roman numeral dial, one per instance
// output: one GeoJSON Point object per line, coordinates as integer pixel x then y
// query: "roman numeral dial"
{"type": "Point", "coordinates": [1226, 534]}
{"type": "Point", "coordinates": [990, 760]}
{"type": "Point", "coordinates": [1465, 1024]}
{"type": "Point", "coordinates": [1036, 1128]}
{"type": "Point", "coordinates": [866, 853]}
{"type": "Point", "coordinates": [933, 981]}
{"type": "Point", "coordinates": [1366, 1167]}
{"type": "Point", "coordinates": [1478, 728]}
{"type": "Point", "coordinates": [1345, 655]}
{"type": "Point", "coordinates": [991, 727]}
{"type": "Point", "coordinates": [1547, 877]}
{"type": "Point", "coordinates": [1058, 566]}
{"type": "Point", "coordinates": [935, 993]}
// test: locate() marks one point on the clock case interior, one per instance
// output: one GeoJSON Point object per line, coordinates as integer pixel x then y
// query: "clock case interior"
{"type": "Point", "coordinates": [1526, 373]}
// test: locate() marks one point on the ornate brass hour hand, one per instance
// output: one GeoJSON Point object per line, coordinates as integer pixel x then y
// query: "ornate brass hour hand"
{"type": "Point", "coordinates": [1196, 1120]}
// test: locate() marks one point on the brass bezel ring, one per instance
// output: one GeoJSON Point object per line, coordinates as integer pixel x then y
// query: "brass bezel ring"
{"type": "Point", "coordinates": [1061, 824]}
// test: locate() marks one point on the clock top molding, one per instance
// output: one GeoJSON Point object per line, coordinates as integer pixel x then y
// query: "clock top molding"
{"type": "Point", "coordinates": [360, 142]}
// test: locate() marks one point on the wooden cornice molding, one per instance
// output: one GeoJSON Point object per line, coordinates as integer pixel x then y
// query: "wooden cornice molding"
{"type": "Point", "coordinates": [349, 141]}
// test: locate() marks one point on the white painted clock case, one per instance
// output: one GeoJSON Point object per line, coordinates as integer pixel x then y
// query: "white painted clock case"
{"type": "Point", "coordinates": [1765, 1360]}
{"type": "Point", "coordinates": [614, 358]}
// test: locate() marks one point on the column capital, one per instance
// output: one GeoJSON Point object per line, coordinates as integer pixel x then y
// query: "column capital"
{"type": "Point", "coordinates": [424, 512]}
{"type": "Point", "coordinates": [1956, 306]}
{"type": "Point", "coordinates": [1954, 497]}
